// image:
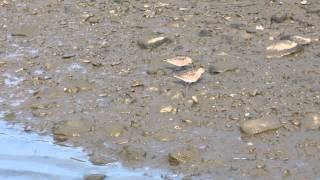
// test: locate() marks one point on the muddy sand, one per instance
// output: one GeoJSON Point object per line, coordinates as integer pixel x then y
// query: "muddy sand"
{"type": "Point", "coordinates": [92, 74]}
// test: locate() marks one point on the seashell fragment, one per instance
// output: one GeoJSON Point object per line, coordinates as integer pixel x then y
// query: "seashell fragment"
{"type": "Point", "coordinates": [282, 48]}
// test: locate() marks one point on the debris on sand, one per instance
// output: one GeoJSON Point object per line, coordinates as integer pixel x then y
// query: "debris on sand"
{"type": "Point", "coordinates": [95, 177]}
{"type": "Point", "coordinates": [280, 18]}
{"type": "Point", "coordinates": [256, 126]}
{"type": "Point", "coordinates": [154, 42]}
{"type": "Point", "coordinates": [298, 39]}
{"type": "Point", "coordinates": [179, 61]}
{"type": "Point", "coordinates": [168, 109]}
{"type": "Point", "coordinates": [282, 48]}
{"type": "Point", "coordinates": [184, 156]}
{"type": "Point", "coordinates": [191, 76]}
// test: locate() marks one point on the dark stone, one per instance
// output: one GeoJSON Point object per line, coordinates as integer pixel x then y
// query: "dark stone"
{"type": "Point", "coordinates": [95, 177]}
{"type": "Point", "coordinates": [205, 33]}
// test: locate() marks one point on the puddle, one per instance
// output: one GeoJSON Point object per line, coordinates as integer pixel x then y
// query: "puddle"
{"type": "Point", "coordinates": [30, 156]}
{"type": "Point", "coordinates": [11, 81]}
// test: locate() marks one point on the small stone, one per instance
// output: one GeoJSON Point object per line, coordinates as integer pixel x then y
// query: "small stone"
{"type": "Point", "coordinates": [68, 55]}
{"type": "Point", "coordinates": [279, 18]}
{"type": "Point", "coordinates": [184, 156]}
{"type": "Point", "coordinates": [153, 89]}
{"type": "Point", "coordinates": [187, 121]}
{"type": "Point", "coordinates": [114, 130]}
{"type": "Point", "coordinates": [298, 39]}
{"type": "Point", "coordinates": [98, 159]}
{"type": "Point", "coordinates": [282, 48]}
{"type": "Point", "coordinates": [311, 121]}
{"type": "Point", "coordinates": [260, 28]}
{"type": "Point", "coordinates": [27, 129]}
{"type": "Point", "coordinates": [93, 19]}
{"type": "Point", "coordinates": [136, 84]}
{"type": "Point", "coordinates": [116, 63]}
{"type": "Point", "coordinates": [94, 177]}
{"type": "Point", "coordinates": [254, 93]}
{"type": "Point", "coordinates": [237, 25]}
{"type": "Point", "coordinates": [72, 90]}
{"type": "Point", "coordinates": [195, 99]}
{"type": "Point", "coordinates": [285, 173]}
{"type": "Point", "coordinates": [251, 30]}
{"type": "Point", "coordinates": [304, 2]}
{"type": "Point", "coordinates": [103, 95]}
{"type": "Point", "coordinates": [252, 127]}
{"type": "Point", "coordinates": [96, 64]}
{"type": "Point", "coordinates": [130, 154]}
{"type": "Point", "coordinates": [71, 128]}
{"type": "Point", "coordinates": [168, 109]}
{"type": "Point", "coordinates": [154, 42]}
{"type": "Point", "coordinates": [205, 33]}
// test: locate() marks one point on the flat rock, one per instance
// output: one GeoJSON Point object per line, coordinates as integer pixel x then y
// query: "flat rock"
{"type": "Point", "coordinates": [256, 126]}
{"type": "Point", "coordinates": [130, 154]}
{"type": "Point", "coordinates": [279, 18]}
{"type": "Point", "coordinates": [282, 48]}
{"type": "Point", "coordinates": [153, 42]}
{"type": "Point", "coordinates": [297, 39]}
{"type": "Point", "coordinates": [184, 156]}
{"type": "Point", "coordinates": [95, 177]}
{"type": "Point", "coordinates": [71, 128]}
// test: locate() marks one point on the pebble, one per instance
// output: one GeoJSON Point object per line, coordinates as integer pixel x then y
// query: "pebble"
{"type": "Point", "coordinates": [95, 177]}
{"type": "Point", "coordinates": [304, 2]}
{"type": "Point", "coordinates": [279, 18]}
{"type": "Point", "coordinates": [114, 130]}
{"type": "Point", "coordinates": [195, 99]}
{"type": "Point", "coordinates": [311, 121]}
{"type": "Point", "coordinates": [71, 128]}
{"type": "Point", "coordinates": [282, 48]}
{"type": "Point", "coordinates": [72, 90]}
{"type": "Point", "coordinates": [99, 160]}
{"type": "Point", "coordinates": [261, 125]}
{"type": "Point", "coordinates": [168, 109]}
{"type": "Point", "coordinates": [297, 39]}
{"type": "Point", "coordinates": [183, 156]}
{"type": "Point", "coordinates": [260, 28]}
{"type": "Point", "coordinates": [130, 154]}
{"type": "Point", "coordinates": [154, 42]}
{"type": "Point", "coordinates": [205, 33]}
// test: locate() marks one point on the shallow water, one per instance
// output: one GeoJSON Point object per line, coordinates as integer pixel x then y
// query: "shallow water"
{"type": "Point", "coordinates": [82, 61]}
{"type": "Point", "coordinates": [30, 156]}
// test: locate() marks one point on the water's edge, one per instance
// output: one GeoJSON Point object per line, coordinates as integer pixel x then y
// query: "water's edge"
{"type": "Point", "coordinates": [30, 156]}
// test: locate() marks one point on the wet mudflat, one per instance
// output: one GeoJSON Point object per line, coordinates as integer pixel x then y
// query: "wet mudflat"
{"type": "Point", "coordinates": [26, 155]}
{"type": "Point", "coordinates": [96, 74]}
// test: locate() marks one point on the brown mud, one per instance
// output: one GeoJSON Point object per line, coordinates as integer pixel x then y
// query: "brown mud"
{"type": "Point", "coordinates": [87, 72]}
